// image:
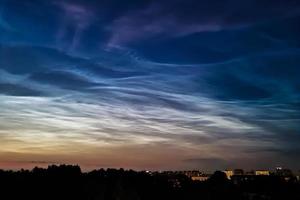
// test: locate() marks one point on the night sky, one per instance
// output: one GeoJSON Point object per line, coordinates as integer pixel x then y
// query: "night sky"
{"type": "Point", "coordinates": [156, 85]}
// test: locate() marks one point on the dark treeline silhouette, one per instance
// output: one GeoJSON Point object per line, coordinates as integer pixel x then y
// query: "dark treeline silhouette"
{"type": "Point", "coordinates": [70, 183]}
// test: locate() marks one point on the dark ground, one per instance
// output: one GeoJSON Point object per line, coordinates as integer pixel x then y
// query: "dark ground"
{"type": "Point", "coordinates": [69, 183]}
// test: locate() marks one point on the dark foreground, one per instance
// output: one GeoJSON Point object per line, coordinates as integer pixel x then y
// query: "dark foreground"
{"type": "Point", "coordinates": [69, 183]}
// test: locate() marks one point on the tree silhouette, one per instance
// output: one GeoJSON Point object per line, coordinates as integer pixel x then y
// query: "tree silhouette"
{"type": "Point", "coordinates": [67, 182]}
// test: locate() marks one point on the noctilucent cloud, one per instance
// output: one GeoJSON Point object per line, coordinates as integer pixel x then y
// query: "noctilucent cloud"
{"type": "Point", "coordinates": [150, 84]}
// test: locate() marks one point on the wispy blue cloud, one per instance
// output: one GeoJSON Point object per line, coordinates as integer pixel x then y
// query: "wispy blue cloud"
{"type": "Point", "coordinates": [183, 92]}
{"type": "Point", "coordinates": [198, 107]}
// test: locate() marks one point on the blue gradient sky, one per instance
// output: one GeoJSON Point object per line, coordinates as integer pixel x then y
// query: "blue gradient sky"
{"type": "Point", "coordinates": [150, 84]}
